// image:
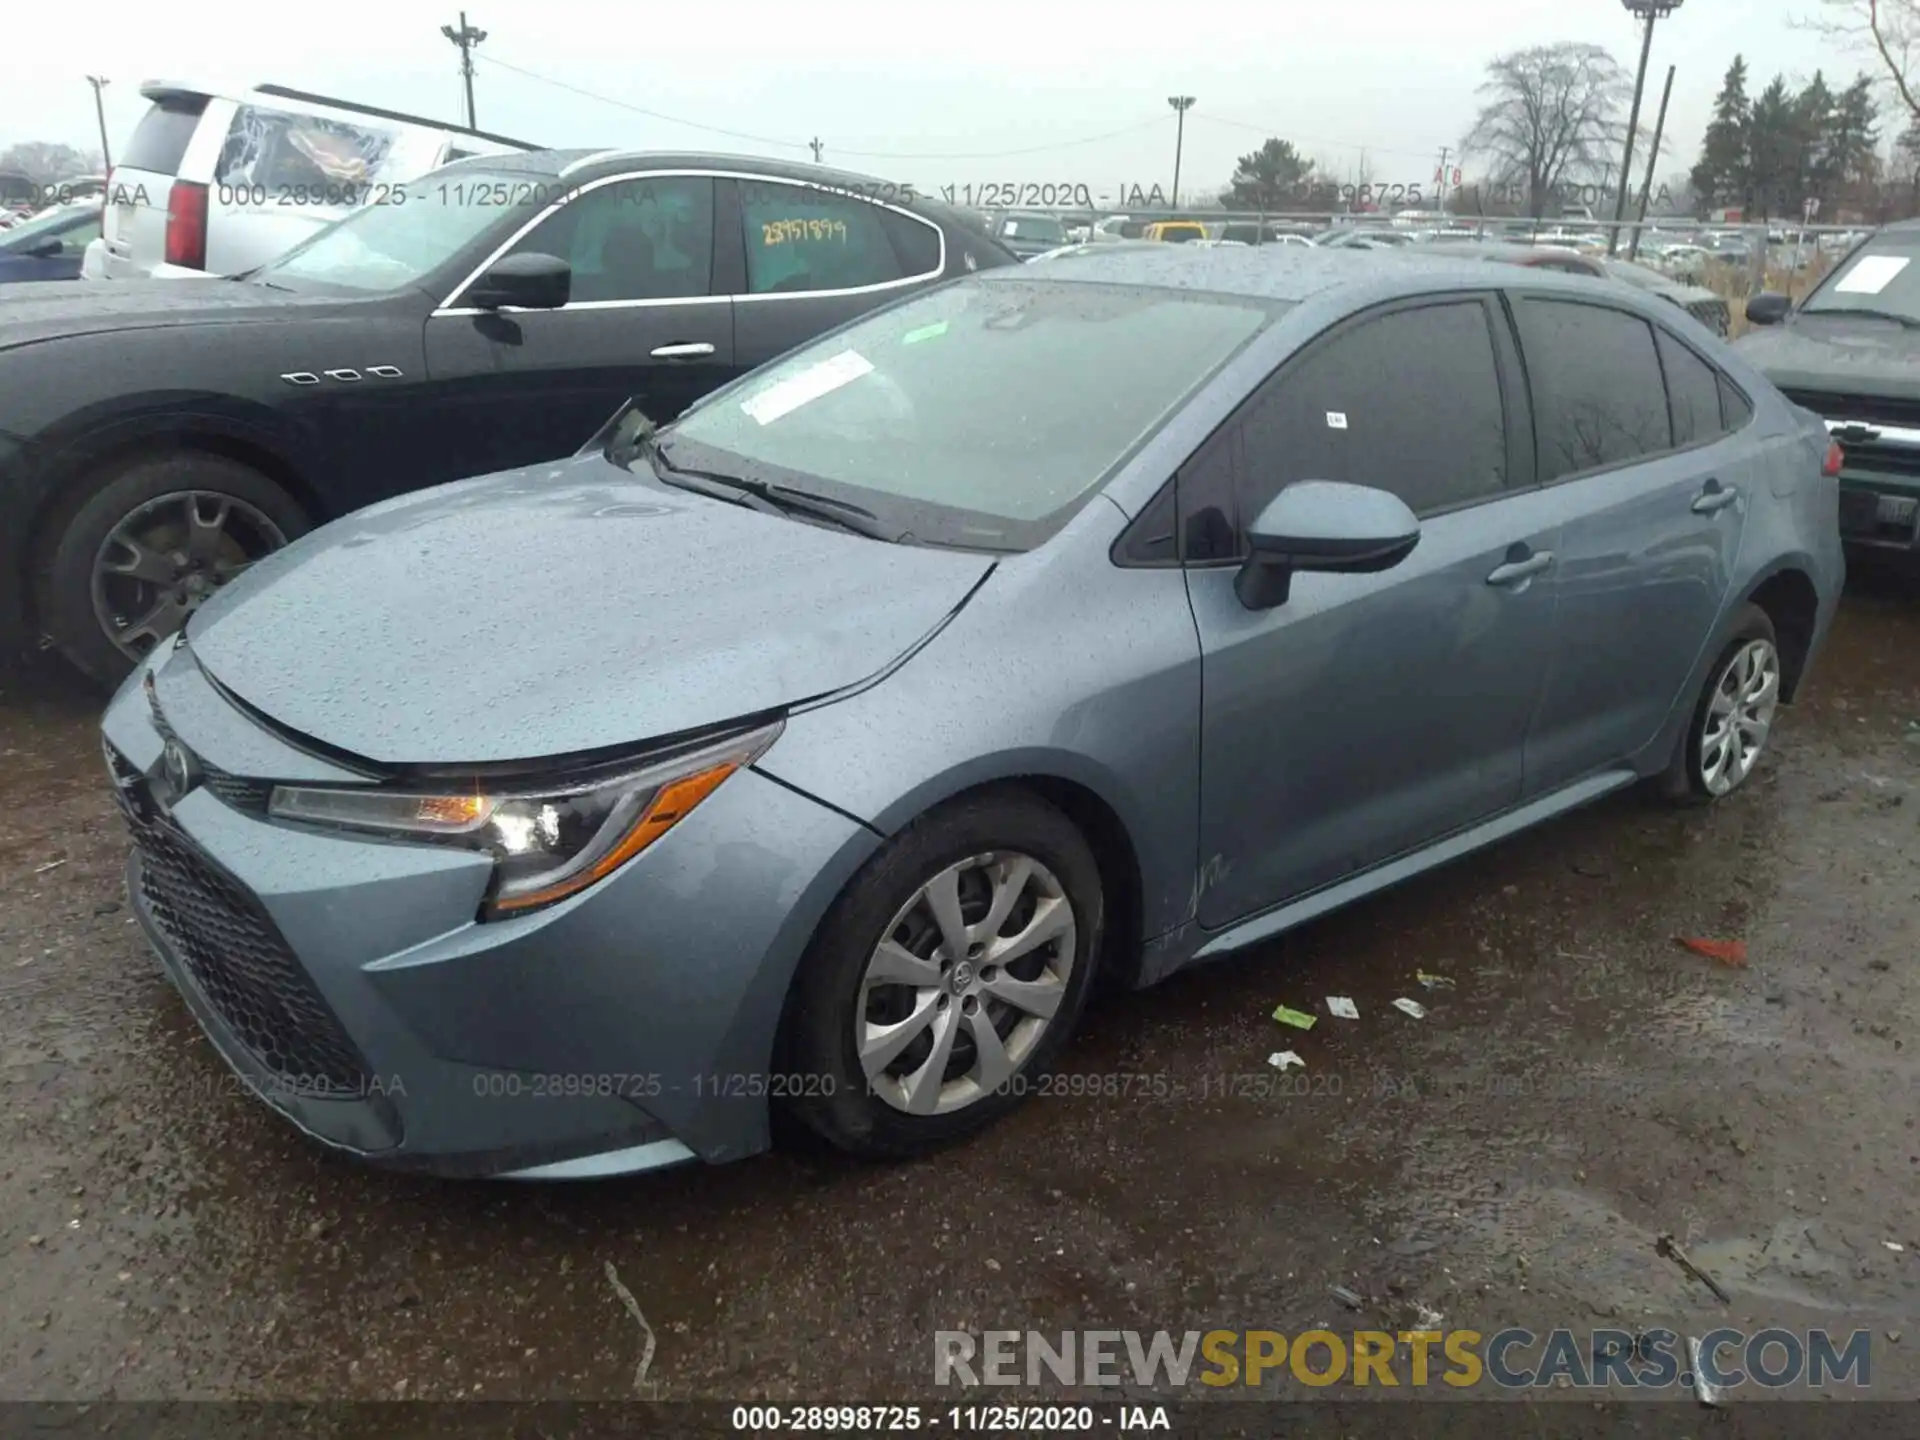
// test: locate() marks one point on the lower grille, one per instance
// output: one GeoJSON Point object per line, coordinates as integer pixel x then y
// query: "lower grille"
{"type": "Point", "coordinates": [1713, 314]}
{"type": "Point", "coordinates": [236, 956]}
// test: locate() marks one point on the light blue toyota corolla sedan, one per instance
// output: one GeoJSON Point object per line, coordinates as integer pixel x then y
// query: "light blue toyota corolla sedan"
{"type": "Point", "coordinates": [822, 749]}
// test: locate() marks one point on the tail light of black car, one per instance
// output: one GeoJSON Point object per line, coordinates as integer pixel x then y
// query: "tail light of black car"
{"type": "Point", "coordinates": [187, 225]}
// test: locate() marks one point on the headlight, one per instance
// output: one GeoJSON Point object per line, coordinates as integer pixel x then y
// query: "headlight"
{"type": "Point", "coordinates": [548, 841]}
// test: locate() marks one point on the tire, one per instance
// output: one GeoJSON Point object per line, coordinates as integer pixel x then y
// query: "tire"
{"type": "Point", "coordinates": [829, 1090]}
{"type": "Point", "coordinates": [1699, 772]}
{"type": "Point", "coordinates": [259, 517]}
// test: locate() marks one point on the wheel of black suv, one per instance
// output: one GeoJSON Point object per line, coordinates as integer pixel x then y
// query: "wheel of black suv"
{"type": "Point", "coordinates": [947, 977]}
{"type": "Point", "coordinates": [1733, 718]}
{"type": "Point", "coordinates": [147, 545]}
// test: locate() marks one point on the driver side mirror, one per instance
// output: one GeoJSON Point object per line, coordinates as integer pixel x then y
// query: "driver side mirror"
{"type": "Point", "coordinates": [1324, 526]}
{"type": "Point", "coordinates": [47, 248]}
{"type": "Point", "coordinates": [529, 281]}
{"type": "Point", "coordinates": [1768, 308]}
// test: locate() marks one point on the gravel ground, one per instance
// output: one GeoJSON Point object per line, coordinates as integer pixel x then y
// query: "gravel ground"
{"type": "Point", "coordinates": [1584, 1086]}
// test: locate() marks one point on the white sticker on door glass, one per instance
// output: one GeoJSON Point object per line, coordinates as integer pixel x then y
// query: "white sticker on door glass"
{"type": "Point", "coordinates": [1336, 419]}
{"type": "Point", "coordinates": [810, 384]}
{"type": "Point", "coordinates": [1871, 274]}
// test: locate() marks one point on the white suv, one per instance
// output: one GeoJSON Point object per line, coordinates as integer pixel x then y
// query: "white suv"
{"type": "Point", "coordinates": [209, 185]}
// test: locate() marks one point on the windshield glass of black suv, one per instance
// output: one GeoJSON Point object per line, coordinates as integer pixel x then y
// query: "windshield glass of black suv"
{"type": "Point", "coordinates": [981, 414]}
{"type": "Point", "coordinates": [402, 234]}
{"type": "Point", "coordinates": [1882, 276]}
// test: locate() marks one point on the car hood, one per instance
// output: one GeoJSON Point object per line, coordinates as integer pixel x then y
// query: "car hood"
{"type": "Point", "coordinates": [559, 609]}
{"type": "Point", "coordinates": [54, 309]}
{"type": "Point", "coordinates": [1837, 356]}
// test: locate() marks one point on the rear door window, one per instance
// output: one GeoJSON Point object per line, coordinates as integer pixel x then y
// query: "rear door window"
{"type": "Point", "coordinates": [161, 138]}
{"type": "Point", "coordinates": [1597, 396]}
{"type": "Point", "coordinates": [1693, 392]}
{"type": "Point", "coordinates": [800, 239]}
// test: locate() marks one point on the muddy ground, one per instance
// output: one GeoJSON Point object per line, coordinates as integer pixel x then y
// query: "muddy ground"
{"type": "Point", "coordinates": [1511, 1159]}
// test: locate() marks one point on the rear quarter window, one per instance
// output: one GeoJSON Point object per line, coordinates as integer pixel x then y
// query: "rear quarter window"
{"type": "Point", "coordinates": [287, 152]}
{"type": "Point", "coordinates": [162, 136]}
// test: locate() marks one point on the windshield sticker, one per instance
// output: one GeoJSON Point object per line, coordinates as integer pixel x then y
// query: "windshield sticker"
{"type": "Point", "coordinates": [925, 332]}
{"type": "Point", "coordinates": [1336, 419]}
{"type": "Point", "coordinates": [1871, 274]}
{"type": "Point", "coordinates": [809, 385]}
{"type": "Point", "coordinates": [780, 232]}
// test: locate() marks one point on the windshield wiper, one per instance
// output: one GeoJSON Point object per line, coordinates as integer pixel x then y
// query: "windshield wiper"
{"type": "Point", "coordinates": [755, 494]}
{"type": "Point", "coordinates": [1906, 320]}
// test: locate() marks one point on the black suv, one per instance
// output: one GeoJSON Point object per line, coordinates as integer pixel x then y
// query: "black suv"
{"type": "Point", "coordinates": [1850, 352]}
{"type": "Point", "coordinates": [158, 436]}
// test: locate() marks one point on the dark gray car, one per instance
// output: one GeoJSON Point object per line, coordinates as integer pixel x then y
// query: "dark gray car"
{"type": "Point", "coordinates": [819, 751]}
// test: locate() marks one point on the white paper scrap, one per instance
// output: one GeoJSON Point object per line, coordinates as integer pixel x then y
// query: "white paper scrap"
{"type": "Point", "coordinates": [1411, 1007]}
{"type": "Point", "coordinates": [1871, 274]}
{"type": "Point", "coordinates": [1341, 1006]}
{"type": "Point", "coordinates": [810, 384]}
{"type": "Point", "coordinates": [1285, 1059]}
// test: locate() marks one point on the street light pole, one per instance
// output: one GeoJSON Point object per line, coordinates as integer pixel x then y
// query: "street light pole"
{"type": "Point", "coordinates": [99, 83]}
{"type": "Point", "coordinates": [1653, 159]}
{"type": "Point", "coordinates": [1650, 11]}
{"type": "Point", "coordinates": [466, 37]}
{"type": "Point", "coordinates": [1181, 104]}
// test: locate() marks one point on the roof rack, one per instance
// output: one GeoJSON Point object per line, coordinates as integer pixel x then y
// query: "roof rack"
{"type": "Point", "coordinates": [284, 92]}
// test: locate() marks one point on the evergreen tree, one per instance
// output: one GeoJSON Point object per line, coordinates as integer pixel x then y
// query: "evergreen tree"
{"type": "Point", "coordinates": [1721, 176]}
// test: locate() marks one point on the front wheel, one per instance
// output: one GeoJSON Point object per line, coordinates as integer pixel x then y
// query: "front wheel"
{"type": "Point", "coordinates": [947, 978]}
{"type": "Point", "coordinates": [1733, 719]}
{"type": "Point", "coordinates": [147, 546]}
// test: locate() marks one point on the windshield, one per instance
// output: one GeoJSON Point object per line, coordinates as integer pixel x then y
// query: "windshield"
{"type": "Point", "coordinates": [406, 232]}
{"type": "Point", "coordinates": [1033, 227]}
{"type": "Point", "coordinates": [980, 414]}
{"type": "Point", "coordinates": [1881, 276]}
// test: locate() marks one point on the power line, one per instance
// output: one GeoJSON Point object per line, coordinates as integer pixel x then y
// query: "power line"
{"type": "Point", "coordinates": [807, 144]}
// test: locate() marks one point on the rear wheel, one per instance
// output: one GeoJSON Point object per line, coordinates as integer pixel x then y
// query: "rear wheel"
{"type": "Point", "coordinates": [150, 543]}
{"type": "Point", "coordinates": [947, 977]}
{"type": "Point", "coordinates": [1733, 718]}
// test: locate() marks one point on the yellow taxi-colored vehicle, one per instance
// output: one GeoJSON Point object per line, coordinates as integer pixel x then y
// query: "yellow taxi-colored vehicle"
{"type": "Point", "coordinates": [1178, 232]}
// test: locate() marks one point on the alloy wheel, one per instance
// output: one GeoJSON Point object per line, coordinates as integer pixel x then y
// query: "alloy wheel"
{"type": "Point", "coordinates": [964, 982]}
{"type": "Point", "coordinates": [165, 558]}
{"type": "Point", "coordinates": [1739, 716]}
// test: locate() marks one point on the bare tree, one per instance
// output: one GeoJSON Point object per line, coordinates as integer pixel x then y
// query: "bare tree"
{"type": "Point", "coordinates": [1886, 29]}
{"type": "Point", "coordinates": [1549, 117]}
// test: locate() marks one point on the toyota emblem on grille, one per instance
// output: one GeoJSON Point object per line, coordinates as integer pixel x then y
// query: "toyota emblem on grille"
{"type": "Point", "coordinates": [179, 768]}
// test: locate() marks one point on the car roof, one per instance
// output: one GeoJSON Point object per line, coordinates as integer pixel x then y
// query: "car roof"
{"type": "Point", "coordinates": [1290, 273]}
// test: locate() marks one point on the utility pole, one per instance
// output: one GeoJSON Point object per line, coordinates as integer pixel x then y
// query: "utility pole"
{"type": "Point", "coordinates": [99, 83]}
{"type": "Point", "coordinates": [466, 37]}
{"type": "Point", "coordinates": [1445, 150]}
{"type": "Point", "coordinates": [1650, 11]}
{"type": "Point", "coordinates": [1181, 104]}
{"type": "Point", "coordinates": [815, 145]}
{"type": "Point", "coordinates": [1653, 159]}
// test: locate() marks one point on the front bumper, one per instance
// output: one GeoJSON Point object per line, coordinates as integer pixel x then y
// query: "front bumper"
{"type": "Point", "coordinates": [348, 982]}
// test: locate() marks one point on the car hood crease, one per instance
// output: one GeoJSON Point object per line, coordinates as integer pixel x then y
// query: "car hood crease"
{"type": "Point", "coordinates": [562, 609]}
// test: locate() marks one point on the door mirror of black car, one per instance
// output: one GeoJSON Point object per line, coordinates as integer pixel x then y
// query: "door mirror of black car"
{"type": "Point", "coordinates": [1768, 308]}
{"type": "Point", "coordinates": [529, 281]}
{"type": "Point", "coordinates": [45, 249]}
{"type": "Point", "coordinates": [1325, 526]}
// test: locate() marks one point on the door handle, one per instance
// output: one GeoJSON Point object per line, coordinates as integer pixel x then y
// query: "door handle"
{"type": "Point", "coordinates": [683, 352]}
{"type": "Point", "coordinates": [1714, 496]}
{"type": "Point", "coordinates": [1514, 571]}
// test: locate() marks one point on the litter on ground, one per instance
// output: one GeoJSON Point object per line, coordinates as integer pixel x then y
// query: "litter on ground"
{"type": "Point", "coordinates": [1341, 1006]}
{"type": "Point", "coordinates": [1434, 982]}
{"type": "Point", "coordinates": [1411, 1007]}
{"type": "Point", "coordinates": [1285, 1060]}
{"type": "Point", "coordinates": [1727, 952]}
{"type": "Point", "coordinates": [1298, 1019]}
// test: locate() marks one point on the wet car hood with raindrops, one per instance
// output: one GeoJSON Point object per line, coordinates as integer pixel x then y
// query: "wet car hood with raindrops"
{"type": "Point", "coordinates": [1837, 355]}
{"type": "Point", "coordinates": [559, 609]}
{"type": "Point", "coordinates": [43, 310]}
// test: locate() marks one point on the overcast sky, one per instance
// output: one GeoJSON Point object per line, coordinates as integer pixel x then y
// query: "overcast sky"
{"type": "Point", "coordinates": [933, 95]}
